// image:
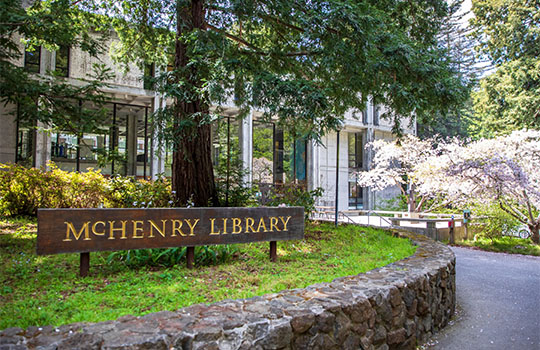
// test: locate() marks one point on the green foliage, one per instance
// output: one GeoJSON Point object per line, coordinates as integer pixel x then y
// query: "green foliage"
{"type": "Point", "coordinates": [511, 245]}
{"type": "Point", "coordinates": [508, 98]}
{"type": "Point", "coordinates": [24, 190]}
{"type": "Point", "coordinates": [507, 30]}
{"type": "Point", "coordinates": [231, 189]}
{"type": "Point", "coordinates": [169, 257]}
{"type": "Point", "coordinates": [494, 221]}
{"type": "Point", "coordinates": [262, 141]}
{"type": "Point", "coordinates": [295, 195]}
{"type": "Point", "coordinates": [127, 192]}
{"type": "Point", "coordinates": [46, 290]}
{"type": "Point", "coordinates": [304, 63]}
{"type": "Point", "coordinates": [51, 24]}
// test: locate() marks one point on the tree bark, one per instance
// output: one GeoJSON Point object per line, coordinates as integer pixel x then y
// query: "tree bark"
{"type": "Point", "coordinates": [535, 232]}
{"type": "Point", "coordinates": [411, 199]}
{"type": "Point", "coordinates": [192, 170]}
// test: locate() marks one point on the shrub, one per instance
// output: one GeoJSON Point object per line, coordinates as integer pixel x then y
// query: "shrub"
{"type": "Point", "coordinates": [169, 257]}
{"type": "Point", "coordinates": [127, 192]}
{"type": "Point", "coordinates": [295, 195]}
{"type": "Point", "coordinates": [495, 221]}
{"type": "Point", "coordinates": [24, 190]}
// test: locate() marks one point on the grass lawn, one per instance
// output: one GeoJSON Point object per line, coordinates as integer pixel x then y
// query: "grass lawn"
{"type": "Point", "coordinates": [504, 244]}
{"type": "Point", "coordinates": [43, 290]}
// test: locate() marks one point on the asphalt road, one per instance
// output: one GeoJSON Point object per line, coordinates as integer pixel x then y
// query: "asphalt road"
{"type": "Point", "coordinates": [498, 297]}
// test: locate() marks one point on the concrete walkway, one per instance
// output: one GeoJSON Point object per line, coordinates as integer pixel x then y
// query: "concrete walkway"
{"type": "Point", "coordinates": [498, 298]}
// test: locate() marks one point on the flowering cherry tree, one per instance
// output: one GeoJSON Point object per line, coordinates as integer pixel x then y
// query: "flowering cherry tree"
{"type": "Point", "coordinates": [504, 170]}
{"type": "Point", "coordinates": [394, 163]}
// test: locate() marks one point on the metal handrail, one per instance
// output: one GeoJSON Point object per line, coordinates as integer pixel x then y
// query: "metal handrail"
{"type": "Point", "coordinates": [347, 216]}
{"type": "Point", "coordinates": [369, 212]}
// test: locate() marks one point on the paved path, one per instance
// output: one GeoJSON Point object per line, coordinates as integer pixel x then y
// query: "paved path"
{"type": "Point", "coordinates": [498, 298]}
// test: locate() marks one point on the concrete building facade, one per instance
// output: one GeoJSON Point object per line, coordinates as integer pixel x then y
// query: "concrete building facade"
{"type": "Point", "coordinates": [267, 154]}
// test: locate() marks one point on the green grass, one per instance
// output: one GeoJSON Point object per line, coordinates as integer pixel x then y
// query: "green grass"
{"type": "Point", "coordinates": [43, 290]}
{"type": "Point", "coordinates": [504, 244]}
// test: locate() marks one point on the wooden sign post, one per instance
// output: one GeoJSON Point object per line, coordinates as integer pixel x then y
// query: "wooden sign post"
{"type": "Point", "coordinates": [89, 230]}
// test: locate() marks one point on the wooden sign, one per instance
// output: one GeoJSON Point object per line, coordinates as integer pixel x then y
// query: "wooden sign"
{"type": "Point", "coordinates": [90, 230]}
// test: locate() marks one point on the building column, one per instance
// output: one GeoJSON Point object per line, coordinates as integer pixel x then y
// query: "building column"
{"type": "Point", "coordinates": [343, 189]}
{"type": "Point", "coordinates": [8, 134]}
{"type": "Point", "coordinates": [156, 150]}
{"type": "Point", "coordinates": [246, 147]}
{"type": "Point", "coordinates": [42, 138]}
{"type": "Point", "coordinates": [42, 146]}
{"type": "Point", "coordinates": [131, 145]}
{"type": "Point", "coordinates": [313, 166]}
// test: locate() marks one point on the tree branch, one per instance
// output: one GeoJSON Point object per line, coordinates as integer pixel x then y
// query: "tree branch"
{"type": "Point", "coordinates": [528, 205]}
{"type": "Point", "coordinates": [233, 37]}
{"type": "Point", "coordinates": [287, 54]}
{"type": "Point", "coordinates": [510, 210]}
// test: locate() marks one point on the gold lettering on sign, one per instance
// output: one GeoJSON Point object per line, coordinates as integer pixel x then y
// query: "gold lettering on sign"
{"type": "Point", "coordinates": [102, 233]}
{"type": "Point", "coordinates": [236, 226]}
{"type": "Point", "coordinates": [154, 225]}
{"type": "Point", "coordinates": [212, 229]}
{"type": "Point", "coordinates": [122, 229]}
{"type": "Point", "coordinates": [262, 224]}
{"type": "Point", "coordinates": [177, 227]}
{"type": "Point", "coordinates": [249, 225]}
{"type": "Point", "coordinates": [191, 227]}
{"type": "Point", "coordinates": [273, 224]}
{"type": "Point", "coordinates": [225, 226]}
{"type": "Point", "coordinates": [285, 222]}
{"type": "Point", "coordinates": [136, 229]}
{"type": "Point", "coordinates": [77, 235]}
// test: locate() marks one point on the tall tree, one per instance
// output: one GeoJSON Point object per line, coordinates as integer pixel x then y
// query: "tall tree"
{"type": "Point", "coordinates": [304, 63]}
{"type": "Point", "coordinates": [508, 99]}
{"type": "Point", "coordinates": [502, 170]}
{"type": "Point", "coordinates": [455, 38]}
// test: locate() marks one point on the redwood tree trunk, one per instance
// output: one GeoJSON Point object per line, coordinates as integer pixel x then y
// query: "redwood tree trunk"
{"type": "Point", "coordinates": [192, 170]}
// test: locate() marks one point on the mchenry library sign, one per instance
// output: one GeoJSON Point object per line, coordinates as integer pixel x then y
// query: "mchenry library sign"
{"type": "Point", "coordinates": [89, 230]}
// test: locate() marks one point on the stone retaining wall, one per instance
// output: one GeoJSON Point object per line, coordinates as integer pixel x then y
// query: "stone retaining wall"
{"type": "Point", "coordinates": [394, 307]}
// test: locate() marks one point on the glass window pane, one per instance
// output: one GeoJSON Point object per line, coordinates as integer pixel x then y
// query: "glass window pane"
{"type": "Point", "coordinates": [32, 60]}
{"type": "Point", "coordinates": [263, 153]}
{"type": "Point", "coordinates": [62, 61]}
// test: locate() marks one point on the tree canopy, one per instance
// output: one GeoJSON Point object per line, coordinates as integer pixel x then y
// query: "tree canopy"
{"type": "Point", "coordinates": [508, 99]}
{"type": "Point", "coordinates": [502, 170]}
{"type": "Point", "coordinates": [303, 64]}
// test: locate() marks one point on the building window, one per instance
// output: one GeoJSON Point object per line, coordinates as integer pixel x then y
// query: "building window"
{"type": "Point", "coordinates": [120, 145]}
{"type": "Point", "coordinates": [32, 60]}
{"type": "Point", "coordinates": [376, 115]}
{"type": "Point", "coordinates": [356, 162]}
{"type": "Point", "coordinates": [25, 141]}
{"type": "Point", "coordinates": [62, 61]}
{"type": "Point", "coordinates": [356, 150]}
{"type": "Point", "coordinates": [356, 195]}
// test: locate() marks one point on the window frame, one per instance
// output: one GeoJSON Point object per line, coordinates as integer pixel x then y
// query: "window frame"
{"type": "Point", "coordinates": [30, 66]}
{"type": "Point", "coordinates": [65, 71]}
